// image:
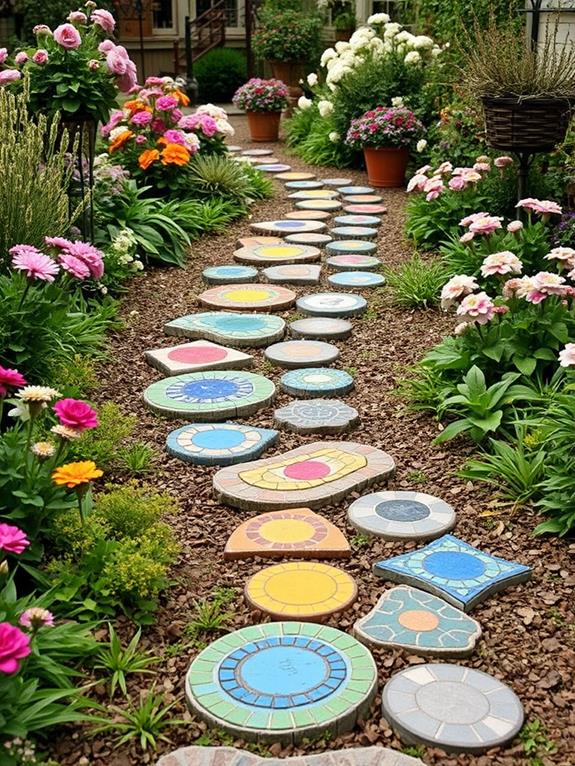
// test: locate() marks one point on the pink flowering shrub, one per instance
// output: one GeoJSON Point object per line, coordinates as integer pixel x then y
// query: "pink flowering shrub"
{"type": "Point", "coordinates": [258, 95]}
{"type": "Point", "coordinates": [385, 127]}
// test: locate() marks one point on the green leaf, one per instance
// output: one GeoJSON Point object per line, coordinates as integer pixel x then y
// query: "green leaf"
{"type": "Point", "coordinates": [452, 430]}
{"type": "Point", "coordinates": [525, 364]}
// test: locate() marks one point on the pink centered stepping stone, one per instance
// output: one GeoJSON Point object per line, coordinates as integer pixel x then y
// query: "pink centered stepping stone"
{"type": "Point", "coordinates": [196, 356]}
{"type": "Point", "coordinates": [363, 209]}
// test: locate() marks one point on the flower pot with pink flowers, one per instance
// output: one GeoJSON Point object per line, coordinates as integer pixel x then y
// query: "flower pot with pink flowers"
{"type": "Point", "coordinates": [264, 101]}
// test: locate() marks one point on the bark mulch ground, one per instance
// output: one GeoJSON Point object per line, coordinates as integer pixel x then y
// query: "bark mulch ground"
{"type": "Point", "coordinates": [528, 631]}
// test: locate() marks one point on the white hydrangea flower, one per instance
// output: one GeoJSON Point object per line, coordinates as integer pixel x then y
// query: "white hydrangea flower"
{"type": "Point", "coordinates": [378, 18]}
{"type": "Point", "coordinates": [327, 55]}
{"type": "Point", "coordinates": [377, 45]}
{"type": "Point", "coordinates": [413, 58]}
{"type": "Point", "coordinates": [334, 137]}
{"type": "Point", "coordinates": [436, 51]}
{"type": "Point", "coordinates": [397, 101]}
{"type": "Point", "coordinates": [421, 144]}
{"type": "Point", "coordinates": [422, 42]}
{"type": "Point", "coordinates": [342, 45]}
{"type": "Point", "coordinates": [404, 37]}
{"type": "Point", "coordinates": [325, 107]}
{"type": "Point", "coordinates": [391, 29]}
{"type": "Point", "coordinates": [304, 103]}
{"type": "Point", "coordinates": [312, 79]}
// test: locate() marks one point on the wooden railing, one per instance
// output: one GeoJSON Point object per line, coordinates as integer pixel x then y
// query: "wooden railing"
{"type": "Point", "coordinates": [202, 34]}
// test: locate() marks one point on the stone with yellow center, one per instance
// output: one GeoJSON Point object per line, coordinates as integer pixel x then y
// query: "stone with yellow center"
{"type": "Point", "coordinates": [248, 297]}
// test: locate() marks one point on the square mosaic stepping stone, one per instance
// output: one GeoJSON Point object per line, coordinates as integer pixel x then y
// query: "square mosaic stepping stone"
{"type": "Point", "coordinates": [347, 246]}
{"type": "Point", "coordinates": [454, 570]}
{"type": "Point", "coordinates": [225, 275]}
{"type": "Point", "coordinates": [327, 205]}
{"type": "Point", "coordinates": [221, 444]}
{"type": "Point", "coordinates": [407, 618]}
{"type": "Point", "coordinates": [316, 381]}
{"type": "Point", "coordinates": [197, 755]}
{"type": "Point", "coordinates": [365, 209]}
{"type": "Point", "coordinates": [313, 475]}
{"type": "Point", "coordinates": [321, 328]}
{"type": "Point", "coordinates": [296, 176]}
{"type": "Point", "coordinates": [318, 240]}
{"type": "Point", "coordinates": [352, 262]}
{"type": "Point", "coordinates": [332, 304]}
{"type": "Point", "coordinates": [314, 194]}
{"type": "Point", "coordinates": [401, 515]}
{"type": "Point", "coordinates": [294, 274]}
{"type": "Point", "coordinates": [301, 353]}
{"type": "Point", "coordinates": [303, 184]}
{"type": "Point", "coordinates": [367, 199]}
{"type": "Point", "coordinates": [296, 533]}
{"type": "Point", "coordinates": [308, 215]}
{"type": "Point", "coordinates": [284, 227]}
{"type": "Point", "coordinates": [357, 220]}
{"type": "Point", "coordinates": [357, 279]}
{"type": "Point", "coordinates": [196, 356]}
{"type": "Point", "coordinates": [284, 252]}
{"type": "Point", "coordinates": [354, 233]}
{"type": "Point", "coordinates": [337, 182]}
{"type": "Point", "coordinates": [233, 329]}
{"type": "Point", "coordinates": [320, 416]}
{"type": "Point", "coordinates": [349, 189]}
{"type": "Point", "coordinates": [246, 297]}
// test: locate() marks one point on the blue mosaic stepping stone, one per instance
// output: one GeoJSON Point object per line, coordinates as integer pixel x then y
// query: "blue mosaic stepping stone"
{"type": "Point", "coordinates": [353, 246]}
{"type": "Point", "coordinates": [407, 618]}
{"type": "Point", "coordinates": [353, 262]}
{"type": "Point", "coordinates": [454, 570]}
{"type": "Point", "coordinates": [317, 240]}
{"type": "Point", "coordinates": [356, 279]}
{"type": "Point", "coordinates": [285, 227]}
{"type": "Point", "coordinates": [354, 232]}
{"type": "Point", "coordinates": [304, 185]}
{"type": "Point", "coordinates": [319, 416]}
{"type": "Point", "coordinates": [451, 707]}
{"type": "Point", "coordinates": [355, 189]}
{"type": "Point", "coordinates": [278, 167]}
{"type": "Point", "coordinates": [229, 327]}
{"type": "Point", "coordinates": [282, 681]}
{"type": "Point", "coordinates": [332, 304]}
{"type": "Point", "coordinates": [321, 328]}
{"type": "Point", "coordinates": [221, 444]}
{"type": "Point", "coordinates": [337, 182]}
{"type": "Point", "coordinates": [357, 220]}
{"type": "Point", "coordinates": [224, 275]}
{"type": "Point", "coordinates": [311, 382]}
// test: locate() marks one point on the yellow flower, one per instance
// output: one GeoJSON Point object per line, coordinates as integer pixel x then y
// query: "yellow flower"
{"type": "Point", "coordinates": [74, 474]}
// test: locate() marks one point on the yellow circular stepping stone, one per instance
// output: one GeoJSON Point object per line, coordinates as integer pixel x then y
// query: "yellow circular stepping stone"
{"type": "Point", "coordinates": [301, 590]}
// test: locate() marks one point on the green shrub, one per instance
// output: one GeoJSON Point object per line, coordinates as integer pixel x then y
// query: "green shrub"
{"type": "Point", "coordinates": [104, 444]}
{"type": "Point", "coordinates": [219, 73]}
{"type": "Point", "coordinates": [417, 282]}
{"type": "Point", "coordinates": [217, 177]}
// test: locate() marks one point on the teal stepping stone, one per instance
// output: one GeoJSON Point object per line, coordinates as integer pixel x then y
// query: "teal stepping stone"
{"type": "Point", "coordinates": [357, 220]}
{"type": "Point", "coordinates": [345, 246]}
{"type": "Point", "coordinates": [332, 304]}
{"type": "Point", "coordinates": [353, 262]}
{"type": "Point", "coordinates": [311, 382]}
{"type": "Point", "coordinates": [224, 275]}
{"type": "Point", "coordinates": [304, 185]}
{"type": "Point", "coordinates": [219, 444]}
{"type": "Point", "coordinates": [347, 189]}
{"type": "Point", "coordinates": [357, 279]}
{"type": "Point", "coordinates": [353, 232]}
{"type": "Point", "coordinates": [229, 327]}
{"type": "Point", "coordinates": [401, 515]}
{"type": "Point", "coordinates": [277, 167]}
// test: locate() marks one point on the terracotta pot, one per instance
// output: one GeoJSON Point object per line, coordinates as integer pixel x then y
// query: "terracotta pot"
{"type": "Point", "coordinates": [386, 167]}
{"type": "Point", "coordinates": [264, 126]}
{"type": "Point", "coordinates": [343, 35]}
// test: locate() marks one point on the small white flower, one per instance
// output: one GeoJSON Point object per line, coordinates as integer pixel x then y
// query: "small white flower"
{"type": "Point", "coordinates": [397, 101]}
{"type": "Point", "coordinates": [422, 42]}
{"type": "Point", "coordinates": [334, 137]}
{"type": "Point", "coordinates": [413, 58]}
{"type": "Point", "coordinates": [342, 45]}
{"type": "Point", "coordinates": [21, 410]}
{"type": "Point", "coordinates": [378, 18]}
{"type": "Point", "coordinates": [304, 103]}
{"type": "Point", "coordinates": [327, 55]}
{"type": "Point", "coordinates": [312, 79]}
{"type": "Point", "coordinates": [325, 107]}
{"type": "Point", "coordinates": [421, 144]}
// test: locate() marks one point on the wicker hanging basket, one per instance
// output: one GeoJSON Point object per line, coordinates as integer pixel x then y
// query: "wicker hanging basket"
{"type": "Point", "coordinates": [527, 125]}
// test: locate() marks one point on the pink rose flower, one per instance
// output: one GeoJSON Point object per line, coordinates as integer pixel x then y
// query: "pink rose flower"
{"type": "Point", "coordinates": [433, 188]}
{"type": "Point", "coordinates": [36, 617]}
{"type": "Point", "coordinates": [467, 237]}
{"type": "Point", "coordinates": [14, 646]}
{"type": "Point", "coordinates": [153, 80]}
{"type": "Point", "coordinates": [103, 19]}
{"type": "Point", "coordinates": [12, 539]}
{"type": "Point", "coordinates": [67, 36]}
{"type": "Point", "coordinates": [174, 136]}
{"type": "Point", "coordinates": [177, 115]}
{"type": "Point", "coordinates": [503, 161]}
{"type": "Point", "coordinates": [76, 414]}
{"type": "Point", "coordinates": [106, 46]}
{"type": "Point", "coordinates": [74, 266]}
{"type": "Point", "coordinates": [477, 307]}
{"type": "Point", "coordinates": [3, 55]}
{"type": "Point", "coordinates": [40, 57]}
{"type": "Point", "coordinates": [77, 17]}
{"type": "Point", "coordinates": [417, 182]}
{"type": "Point", "coordinates": [9, 75]}
{"type": "Point", "coordinates": [116, 117]}
{"type": "Point", "coordinates": [21, 58]}
{"type": "Point", "coordinates": [117, 60]}
{"type": "Point", "coordinates": [10, 379]}
{"type": "Point", "coordinates": [36, 265]}
{"type": "Point", "coordinates": [457, 183]}
{"type": "Point", "coordinates": [504, 262]}
{"type": "Point", "coordinates": [513, 227]}
{"type": "Point", "coordinates": [567, 355]}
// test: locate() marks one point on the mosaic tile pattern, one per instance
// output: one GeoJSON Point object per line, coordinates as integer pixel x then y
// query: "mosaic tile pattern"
{"type": "Point", "coordinates": [314, 194]}
{"type": "Point", "coordinates": [321, 328]}
{"type": "Point", "coordinates": [327, 205]}
{"type": "Point", "coordinates": [301, 353]}
{"type": "Point", "coordinates": [454, 570]}
{"type": "Point", "coordinates": [353, 262]}
{"type": "Point", "coordinates": [196, 356]}
{"type": "Point", "coordinates": [294, 274]}
{"type": "Point", "coordinates": [300, 591]}
{"type": "Point", "coordinates": [282, 681]}
{"type": "Point", "coordinates": [296, 533]}
{"type": "Point", "coordinates": [296, 176]}
{"type": "Point", "coordinates": [308, 215]}
{"type": "Point", "coordinates": [318, 240]}
{"type": "Point", "coordinates": [232, 329]}
{"type": "Point", "coordinates": [221, 444]}
{"type": "Point", "coordinates": [401, 515]}
{"type": "Point", "coordinates": [284, 227]}
{"type": "Point", "coordinates": [337, 182]}
{"type": "Point", "coordinates": [310, 476]}
{"type": "Point", "coordinates": [346, 246]}
{"type": "Point", "coordinates": [363, 209]}
{"type": "Point", "coordinates": [319, 416]}
{"type": "Point", "coordinates": [302, 184]}
{"type": "Point", "coordinates": [284, 252]}
{"type": "Point", "coordinates": [331, 304]}
{"type": "Point", "coordinates": [366, 199]}
{"type": "Point", "coordinates": [357, 279]}
{"type": "Point", "coordinates": [277, 167]}
{"type": "Point", "coordinates": [348, 189]}
{"type": "Point", "coordinates": [407, 618]}
{"type": "Point", "coordinates": [316, 381]}
{"type": "Point", "coordinates": [354, 232]}
{"type": "Point", "coordinates": [197, 755]}
{"type": "Point", "coordinates": [455, 708]}
{"type": "Point", "coordinates": [224, 275]}
{"type": "Point", "coordinates": [246, 297]}
{"type": "Point", "coordinates": [358, 220]}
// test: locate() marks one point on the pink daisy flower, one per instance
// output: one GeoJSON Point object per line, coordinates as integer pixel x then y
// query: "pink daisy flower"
{"type": "Point", "coordinates": [36, 265]}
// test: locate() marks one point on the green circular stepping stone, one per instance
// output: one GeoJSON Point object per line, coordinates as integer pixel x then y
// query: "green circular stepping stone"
{"type": "Point", "coordinates": [353, 232]}
{"type": "Point", "coordinates": [247, 297]}
{"type": "Point", "coordinates": [225, 275]}
{"type": "Point", "coordinates": [301, 353]}
{"type": "Point", "coordinates": [230, 328]}
{"type": "Point", "coordinates": [316, 381]}
{"type": "Point", "coordinates": [357, 220]}
{"type": "Point", "coordinates": [353, 262]}
{"type": "Point", "coordinates": [356, 279]}
{"type": "Point", "coordinates": [319, 416]}
{"type": "Point", "coordinates": [332, 304]}
{"type": "Point", "coordinates": [219, 444]}
{"type": "Point", "coordinates": [325, 205]}
{"type": "Point", "coordinates": [401, 515]}
{"type": "Point", "coordinates": [344, 246]}
{"type": "Point", "coordinates": [322, 328]}
{"type": "Point", "coordinates": [319, 240]}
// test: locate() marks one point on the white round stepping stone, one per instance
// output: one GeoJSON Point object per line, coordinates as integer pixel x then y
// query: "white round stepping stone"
{"type": "Point", "coordinates": [357, 220]}
{"type": "Point", "coordinates": [366, 199]}
{"type": "Point", "coordinates": [322, 328]}
{"type": "Point", "coordinates": [225, 275]}
{"type": "Point", "coordinates": [401, 515]}
{"type": "Point", "coordinates": [320, 416]}
{"type": "Point", "coordinates": [285, 227]}
{"type": "Point", "coordinates": [231, 328]}
{"type": "Point", "coordinates": [451, 707]}
{"type": "Point", "coordinates": [295, 176]}
{"type": "Point", "coordinates": [303, 184]}
{"type": "Point", "coordinates": [301, 353]}
{"type": "Point", "coordinates": [353, 232]}
{"type": "Point", "coordinates": [332, 304]}
{"type": "Point", "coordinates": [353, 262]}
{"type": "Point", "coordinates": [294, 273]}
{"type": "Point", "coordinates": [326, 205]}
{"type": "Point", "coordinates": [348, 189]}
{"type": "Point", "coordinates": [357, 279]}
{"type": "Point", "coordinates": [344, 246]}
{"type": "Point", "coordinates": [337, 182]}
{"type": "Point", "coordinates": [277, 167]}
{"type": "Point", "coordinates": [308, 215]}
{"type": "Point", "coordinates": [282, 681]}
{"type": "Point", "coordinates": [314, 382]}
{"type": "Point", "coordinates": [281, 253]}
{"type": "Point", "coordinates": [318, 240]}
{"type": "Point", "coordinates": [257, 152]}
{"type": "Point", "coordinates": [219, 444]}
{"type": "Point", "coordinates": [314, 194]}
{"type": "Point", "coordinates": [247, 297]}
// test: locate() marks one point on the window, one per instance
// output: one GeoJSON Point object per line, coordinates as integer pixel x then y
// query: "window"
{"type": "Point", "coordinates": [163, 15]}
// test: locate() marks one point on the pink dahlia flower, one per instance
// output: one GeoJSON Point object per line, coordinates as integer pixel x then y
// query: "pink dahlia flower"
{"type": "Point", "coordinates": [59, 242]}
{"type": "Point", "coordinates": [477, 307]}
{"type": "Point", "coordinates": [36, 617]}
{"type": "Point", "coordinates": [141, 118]}
{"type": "Point", "coordinates": [417, 182]}
{"type": "Point", "coordinates": [103, 19]}
{"type": "Point", "coordinates": [482, 167]}
{"type": "Point", "coordinates": [76, 414]}
{"type": "Point", "coordinates": [457, 183]}
{"type": "Point", "coordinates": [12, 539]}
{"type": "Point", "coordinates": [543, 207]}
{"type": "Point", "coordinates": [166, 103]}
{"type": "Point", "coordinates": [67, 36]}
{"type": "Point", "coordinates": [471, 218]}
{"type": "Point", "coordinates": [504, 262]}
{"type": "Point", "coordinates": [89, 255]}
{"type": "Point", "coordinates": [10, 378]}
{"type": "Point", "coordinates": [14, 646]}
{"type": "Point", "coordinates": [486, 224]}
{"type": "Point", "coordinates": [513, 227]}
{"type": "Point", "coordinates": [467, 237]}
{"type": "Point", "coordinates": [567, 355]}
{"type": "Point", "coordinates": [36, 265]}
{"type": "Point", "coordinates": [9, 75]}
{"type": "Point", "coordinates": [458, 286]}
{"type": "Point", "coordinates": [21, 58]}
{"type": "Point", "coordinates": [518, 287]}
{"type": "Point", "coordinates": [433, 188]}
{"type": "Point", "coordinates": [74, 266]}
{"type": "Point", "coordinates": [563, 254]}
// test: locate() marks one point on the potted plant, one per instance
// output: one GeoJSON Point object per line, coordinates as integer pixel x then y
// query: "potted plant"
{"type": "Point", "coordinates": [263, 100]}
{"type": "Point", "coordinates": [385, 134]}
{"type": "Point", "coordinates": [343, 18]}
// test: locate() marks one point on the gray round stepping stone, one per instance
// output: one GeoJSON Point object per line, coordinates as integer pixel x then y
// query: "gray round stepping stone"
{"type": "Point", "coordinates": [451, 707]}
{"type": "Point", "coordinates": [353, 262]}
{"type": "Point", "coordinates": [196, 356]}
{"type": "Point", "coordinates": [366, 199]}
{"type": "Point", "coordinates": [407, 618]}
{"type": "Point", "coordinates": [219, 444]}
{"type": "Point", "coordinates": [348, 189]}
{"type": "Point", "coordinates": [294, 273]}
{"type": "Point", "coordinates": [296, 176]}
{"type": "Point", "coordinates": [356, 279]}
{"type": "Point", "coordinates": [258, 161]}
{"type": "Point", "coordinates": [326, 205]}
{"type": "Point", "coordinates": [337, 182]}
{"type": "Point", "coordinates": [280, 253]}
{"type": "Point", "coordinates": [276, 167]}
{"type": "Point", "coordinates": [301, 353]}
{"type": "Point", "coordinates": [303, 184]}
{"type": "Point", "coordinates": [344, 246]}
{"type": "Point", "coordinates": [319, 240]}
{"type": "Point", "coordinates": [357, 220]}
{"type": "Point", "coordinates": [257, 152]}
{"type": "Point", "coordinates": [320, 416]}
{"type": "Point", "coordinates": [247, 297]}
{"type": "Point", "coordinates": [353, 232]}
{"type": "Point", "coordinates": [230, 328]}
{"type": "Point", "coordinates": [322, 328]}
{"type": "Point", "coordinates": [282, 681]}
{"type": "Point", "coordinates": [309, 215]}
{"type": "Point", "coordinates": [332, 304]}
{"type": "Point", "coordinates": [401, 515]}
{"type": "Point", "coordinates": [312, 382]}
{"type": "Point", "coordinates": [314, 194]}
{"type": "Point", "coordinates": [225, 275]}
{"type": "Point", "coordinates": [209, 396]}
{"type": "Point", "coordinates": [285, 227]}
{"type": "Point", "coordinates": [363, 209]}
{"type": "Point", "coordinates": [201, 755]}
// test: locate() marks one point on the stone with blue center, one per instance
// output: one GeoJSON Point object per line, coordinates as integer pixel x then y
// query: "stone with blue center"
{"type": "Point", "coordinates": [277, 167]}
{"type": "Point", "coordinates": [312, 382]}
{"type": "Point", "coordinates": [219, 444]}
{"type": "Point", "coordinates": [230, 327]}
{"type": "Point", "coordinates": [355, 190]}
{"type": "Point", "coordinates": [224, 275]}
{"type": "Point", "coordinates": [304, 185]}
{"type": "Point", "coordinates": [354, 232]}
{"type": "Point", "coordinates": [357, 220]}
{"type": "Point", "coordinates": [356, 279]}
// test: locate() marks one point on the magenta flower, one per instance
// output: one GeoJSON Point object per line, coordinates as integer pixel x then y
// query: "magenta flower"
{"type": "Point", "coordinates": [74, 266]}
{"type": "Point", "coordinates": [12, 539]}
{"type": "Point", "coordinates": [103, 19]}
{"type": "Point", "coordinates": [174, 136]}
{"type": "Point", "coordinates": [106, 46]}
{"type": "Point", "coordinates": [117, 59]}
{"type": "Point", "coordinates": [21, 58]}
{"type": "Point", "coordinates": [141, 118]}
{"type": "Point", "coordinates": [36, 265]}
{"type": "Point", "coordinates": [14, 646]}
{"type": "Point", "coordinates": [89, 255]}
{"type": "Point", "coordinates": [166, 103]}
{"type": "Point", "coordinates": [76, 414]}
{"type": "Point", "coordinates": [3, 55]}
{"type": "Point", "coordinates": [10, 379]}
{"type": "Point", "coordinates": [503, 161]}
{"type": "Point", "coordinates": [67, 36]}
{"type": "Point", "coordinates": [59, 242]}
{"type": "Point", "coordinates": [9, 75]}
{"type": "Point", "coordinates": [36, 617]}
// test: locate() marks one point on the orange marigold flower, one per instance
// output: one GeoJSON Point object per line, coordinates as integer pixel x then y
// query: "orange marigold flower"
{"type": "Point", "coordinates": [175, 154]}
{"type": "Point", "coordinates": [182, 98]}
{"type": "Point", "coordinates": [74, 474]}
{"type": "Point", "coordinates": [137, 106]}
{"type": "Point", "coordinates": [146, 158]}
{"type": "Point", "coordinates": [120, 140]}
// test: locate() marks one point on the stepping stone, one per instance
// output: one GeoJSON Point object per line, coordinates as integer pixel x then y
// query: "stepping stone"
{"type": "Point", "coordinates": [366, 199]}
{"type": "Point", "coordinates": [294, 274]}
{"type": "Point", "coordinates": [314, 194]}
{"type": "Point", "coordinates": [321, 328]}
{"type": "Point", "coordinates": [363, 209]}
{"type": "Point", "coordinates": [282, 252]}
{"type": "Point", "coordinates": [257, 241]}
{"type": "Point", "coordinates": [401, 515]}
{"type": "Point", "coordinates": [326, 205]}
{"type": "Point", "coordinates": [407, 618]}
{"type": "Point", "coordinates": [358, 220]}
{"type": "Point", "coordinates": [454, 570]}
{"type": "Point", "coordinates": [248, 297]}
{"type": "Point", "coordinates": [297, 176]}
{"type": "Point", "coordinates": [337, 182]}
{"type": "Point", "coordinates": [301, 353]}
{"type": "Point", "coordinates": [319, 416]}
{"type": "Point", "coordinates": [319, 240]}
{"type": "Point", "coordinates": [348, 189]}
{"type": "Point", "coordinates": [275, 167]}
{"type": "Point", "coordinates": [285, 227]}
{"type": "Point", "coordinates": [196, 356]}
{"type": "Point", "coordinates": [282, 681]}
{"type": "Point", "coordinates": [357, 279]}
{"type": "Point", "coordinates": [225, 275]}
{"type": "Point", "coordinates": [299, 533]}
{"type": "Point", "coordinates": [234, 149]}
{"type": "Point", "coordinates": [308, 215]}
{"type": "Point", "coordinates": [332, 304]}
{"type": "Point", "coordinates": [353, 232]}
{"type": "Point", "coordinates": [300, 590]}
{"type": "Point", "coordinates": [259, 161]}
{"type": "Point", "coordinates": [345, 246]}
{"type": "Point", "coordinates": [353, 262]}
{"type": "Point", "coordinates": [233, 329]}
{"type": "Point", "coordinates": [257, 152]}
{"type": "Point", "coordinates": [209, 396]}
{"type": "Point", "coordinates": [316, 474]}
{"type": "Point", "coordinates": [198, 755]}
{"type": "Point", "coordinates": [221, 444]}
{"type": "Point", "coordinates": [316, 381]}
{"type": "Point", "coordinates": [455, 708]}
{"type": "Point", "coordinates": [302, 184]}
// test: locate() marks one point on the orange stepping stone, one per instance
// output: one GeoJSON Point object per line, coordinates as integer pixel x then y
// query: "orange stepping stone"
{"type": "Point", "coordinates": [295, 533]}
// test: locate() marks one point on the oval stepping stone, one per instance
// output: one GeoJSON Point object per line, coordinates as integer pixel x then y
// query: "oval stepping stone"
{"type": "Point", "coordinates": [252, 242]}
{"type": "Point", "coordinates": [257, 152]}
{"type": "Point", "coordinates": [233, 149]}
{"type": "Point", "coordinates": [316, 416]}
{"type": "Point", "coordinates": [363, 209]}
{"type": "Point", "coordinates": [276, 167]}
{"type": "Point", "coordinates": [357, 279]}
{"type": "Point", "coordinates": [282, 681]}
{"type": "Point", "coordinates": [201, 755]}
{"type": "Point", "coordinates": [353, 262]}
{"type": "Point", "coordinates": [407, 618]}
{"type": "Point", "coordinates": [353, 232]}
{"type": "Point", "coordinates": [259, 161]}
{"type": "Point", "coordinates": [301, 353]}
{"type": "Point", "coordinates": [326, 205]}
{"type": "Point", "coordinates": [296, 176]}
{"type": "Point", "coordinates": [221, 444]}
{"type": "Point", "coordinates": [283, 252]}
{"type": "Point", "coordinates": [358, 220]}
{"type": "Point", "coordinates": [224, 275]}
{"type": "Point", "coordinates": [248, 297]}
{"type": "Point", "coordinates": [316, 474]}
{"type": "Point", "coordinates": [196, 356]}
{"type": "Point", "coordinates": [338, 182]}
{"type": "Point", "coordinates": [209, 396]}
{"type": "Point", "coordinates": [228, 327]}
{"type": "Point", "coordinates": [316, 381]}
{"type": "Point", "coordinates": [314, 194]}
{"type": "Point", "coordinates": [344, 246]}
{"type": "Point", "coordinates": [401, 515]}
{"type": "Point", "coordinates": [285, 227]}
{"type": "Point", "coordinates": [303, 184]}
{"type": "Point", "coordinates": [454, 708]}
{"type": "Point", "coordinates": [332, 304]}
{"type": "Point", "coordinates": [319, 240]}
{"type": "Point", "coordinates": [294, 273]}
{"type": "Point", "coordinates": [297, 533]}
{"type": "Point", "coordinates": [454, 570]}
{"type": "Point", "coordinates": [300, 590]}
{"type": "Point", "coordinates": [348, 189]}
{"type": "Point", "coordinates": [366, 199]}
{"type": "Point", "coordinates": [308, 215]}
{"type": "Point", "coordinates": [321, 328]}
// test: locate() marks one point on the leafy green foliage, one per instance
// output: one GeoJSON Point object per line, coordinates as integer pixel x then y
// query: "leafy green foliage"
{"type": "Point", "coordinates": [117, 662]}
{"type": "Point", "coordinates": [219, 73]}
{"type": "Point", "coordinates": [104, 444]}
{"type": "Point", "coordinates": [311, 140]}
{"type": "Point", "coordinates": [416, 283]}
{"type": "Point", "coordinates": [217, 177]}
{"type": "Point", "coordinates": [211, 615]}
{"type": "Point", "coordinates": [536, 743]}
{"type": "Point", "coordinates": [287, 35]}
